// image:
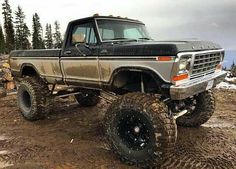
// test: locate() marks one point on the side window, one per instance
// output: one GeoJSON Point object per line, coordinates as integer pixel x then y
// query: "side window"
{"type": "Point", "coordinates": [83, 33]}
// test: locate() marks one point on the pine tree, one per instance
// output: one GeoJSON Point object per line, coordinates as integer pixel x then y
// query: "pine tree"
{"type": "Point", "coordinates": [233, 65]}
{"type": "Point", "coordinates": [22, 30]}
{"type": "Point", "coordinates": [37, 36]}
{"type": "Point", "coordinates": [233, 70]}
{"type": "Point", "coordinates": [25, 35]}
{"type": "Point", "coordinates": [57, 36]}
{"type": "Point", "coordinates": [2, 41]}
{"type": "Point", "coordinates": [48, 37]}
{"type": "Point", "coordinates": [8, 26]}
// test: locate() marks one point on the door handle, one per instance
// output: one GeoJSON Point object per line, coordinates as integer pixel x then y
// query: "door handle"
{"type": "Point", "coordinates": [68, 52]}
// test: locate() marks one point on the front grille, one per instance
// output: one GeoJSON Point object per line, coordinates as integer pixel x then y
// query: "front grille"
{"type": "Point", "coordinates": [205, 64]}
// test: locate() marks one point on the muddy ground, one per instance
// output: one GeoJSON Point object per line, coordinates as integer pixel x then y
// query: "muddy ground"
{"type": "Point", "coordinates": [72, 138]}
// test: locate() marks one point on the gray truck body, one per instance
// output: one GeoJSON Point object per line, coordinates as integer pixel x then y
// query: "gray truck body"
{"type": "Point", "coordinates": [98, 66]}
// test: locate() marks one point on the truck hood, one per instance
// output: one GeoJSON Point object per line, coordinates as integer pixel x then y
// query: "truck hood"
{"type": "Point", "coordinates": [156, 48]}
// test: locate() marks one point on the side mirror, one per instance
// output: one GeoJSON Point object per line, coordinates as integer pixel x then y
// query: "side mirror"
{"type": "Point", "coordinates": [79, 38]}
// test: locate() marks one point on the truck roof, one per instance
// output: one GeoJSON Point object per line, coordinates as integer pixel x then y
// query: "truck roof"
{"type": "Point", "coordinates": [108, 17]}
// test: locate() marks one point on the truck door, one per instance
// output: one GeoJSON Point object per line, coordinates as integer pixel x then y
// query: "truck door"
{"type": "Point", "coordinates": [79, 60]}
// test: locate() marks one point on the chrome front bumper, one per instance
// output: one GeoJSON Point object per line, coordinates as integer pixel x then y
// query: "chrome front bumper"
{"type": "Point", "coordinates": [196, 86]}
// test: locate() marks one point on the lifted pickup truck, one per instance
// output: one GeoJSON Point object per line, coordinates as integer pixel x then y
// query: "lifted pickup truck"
{"type": "Point", "coordinates": [156, 84]}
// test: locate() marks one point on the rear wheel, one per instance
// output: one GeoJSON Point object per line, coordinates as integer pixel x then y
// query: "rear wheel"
{"type": "Point", "coordinates": [33, 99]}
{"type": "Point", "coordinates": [204, 109]}
{"type": "Point", "coordinates": [139, 130]}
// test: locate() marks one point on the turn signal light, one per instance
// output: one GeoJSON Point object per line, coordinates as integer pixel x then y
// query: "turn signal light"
{"type": "Point", "coordinates": [180, 77]}
{"type": "Point", "coordinates": [164, 58]}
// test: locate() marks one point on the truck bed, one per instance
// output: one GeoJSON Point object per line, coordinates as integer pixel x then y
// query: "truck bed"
{"type": "Point", "coordinates": [44, 62]}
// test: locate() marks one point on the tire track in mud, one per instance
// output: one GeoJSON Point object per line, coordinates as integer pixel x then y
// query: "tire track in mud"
{"type": "Point", "coordinates": [13, 150]}
{"type": "Point", "coordinates": [203, 148]}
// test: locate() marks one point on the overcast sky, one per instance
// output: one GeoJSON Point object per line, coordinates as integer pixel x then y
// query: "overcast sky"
{"type": "Point", "coordinates": [213, 20]}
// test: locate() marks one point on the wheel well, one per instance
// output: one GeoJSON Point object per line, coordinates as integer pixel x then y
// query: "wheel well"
{"type": "Point", "coordinates": [29, 71]}
{"type": "Point", "coordinates": [136, 81]}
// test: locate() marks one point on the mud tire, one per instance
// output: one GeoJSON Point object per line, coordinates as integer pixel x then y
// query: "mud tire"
{"type": "Point", "coordinates": [33, 99]}
{"type": "Point", "coordinates": [88, 98]}
{"type": "Point", "coordinates": [205, 107]}
{"type": "Point", "coordinates": [163, 130]}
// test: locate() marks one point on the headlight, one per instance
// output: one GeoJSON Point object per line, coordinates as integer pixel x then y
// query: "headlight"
{"type": "Point", "coordinates": [184, 64]}
{"type": "Point", "coordinates": [182, 68]}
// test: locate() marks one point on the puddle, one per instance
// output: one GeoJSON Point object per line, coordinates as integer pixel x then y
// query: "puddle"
{"type": "Point", "coordinates": [2, 138]}
{"type": "Point", "coordinates": [4, 152]}
{"type": "Point", "coordinates": [217, 123]}
{"type": "Point", "coordinates": [4, 165]}
{"type": "Point", "coordinates": [227, 125]}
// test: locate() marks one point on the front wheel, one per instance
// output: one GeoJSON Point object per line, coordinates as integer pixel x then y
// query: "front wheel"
{"type": "Point", "coordinates": [139, 130]}
{"type": "Point", "coordinates": [204, 109]}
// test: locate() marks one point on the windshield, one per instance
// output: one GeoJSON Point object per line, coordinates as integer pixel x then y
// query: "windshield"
{"type": "Point", "coordinates": [122, 30]}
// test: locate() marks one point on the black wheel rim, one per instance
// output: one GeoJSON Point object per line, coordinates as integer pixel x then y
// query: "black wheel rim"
{"type": "Point", "coordinates": [134, 130]}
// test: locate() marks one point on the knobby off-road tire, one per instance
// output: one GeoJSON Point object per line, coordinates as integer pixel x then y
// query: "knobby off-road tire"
{"type": "Point", "coordinates": [33, 99]}
{"type": "Point", "coordinates": [205, 107]}
{"type": "Point", "coordinates": [88, 98]}
{"type": "Point", "coordinates": [139, 130]}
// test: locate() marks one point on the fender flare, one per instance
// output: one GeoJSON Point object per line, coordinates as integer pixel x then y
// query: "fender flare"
{"type": "Point", "coordinates": [28, 65]}
{"type": "Point", "coordinates": [158, 79]}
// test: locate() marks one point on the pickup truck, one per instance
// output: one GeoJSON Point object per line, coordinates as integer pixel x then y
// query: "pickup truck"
{"type": "Point", "coordinates": [156, 85]}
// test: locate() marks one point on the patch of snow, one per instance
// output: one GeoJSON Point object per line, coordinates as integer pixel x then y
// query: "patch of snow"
{"type": "Point", "coordinates": [226, 85]}
{"type": "Point", "coordinates": [230, 79]}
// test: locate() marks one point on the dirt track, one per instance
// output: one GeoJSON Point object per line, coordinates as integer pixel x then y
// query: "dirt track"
{"type": "Point", "coordinates": [72, 138]}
